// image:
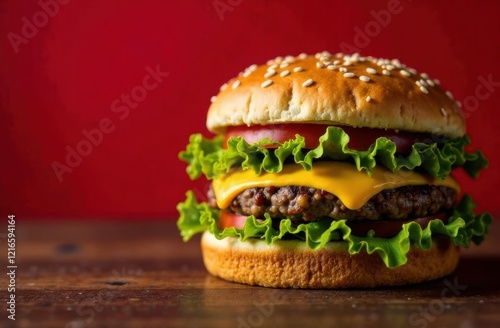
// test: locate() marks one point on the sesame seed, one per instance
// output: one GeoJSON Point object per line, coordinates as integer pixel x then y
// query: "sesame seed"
{"type": "Point", "coordinates": [437, 81]}
{"type": "Point", "coordinates": [349, 74]}
{"type": "Point", "coordinates": [298, 69]}
{"type": "Point", "coordinates": [213, 98]}
{"type": "Point", "coordinates": [327, 63]}
{"type": "Point", "coordinates": [371, 70]}
{"type": "Point", "coordinates": [386, 72]}
{"type": "Point", "coordinates": [423, 89]}
{"type": "Point", "coordinates": [346, 63]}
{"type": "Point", "coordinates": [450, 95]}
{"type": "Point", "coordinates": [320, 65]}
{"type": "Point", "coordinates": [343, 69]}
{"type": "Point", "coordinates": [364, 78]}
{"type": "Point", "coordinates": [336, 62]}
{"type": "Point", "coordinates": [284, 64]}
{"type": "Point", "coordinates": [303, 55]}
{"type": "Point", "coordinates": [405, 73]}
{"type": "Point", "coordinates": [418, 83]}
{"type": "Point", "coordinates": [412, 70]}
{"type": "Point", "coordinates": [272, 67]}
{"type": "Point", "coordinates": [250, 68]}
{"type": "Point", "coordinates": [266, 83]}
{"type": "Point", "coordinates": [307, 83]}
{"type": "Point", "coordinates": [223, 87]}
{"type": "Point", "coordinates": [443, 111]}
{"type": "Point", "coordinates": [331, 67]}
{"type": "Point", "coordinates": [423, 83]}
{"type": "Point", "coordinates": [424, 75]}
{"type": "Point", "coordinates": [269, 74]}
{"type": "Point", "coordinates": [285, 73]}
{"type": "Point", "coordinates": [390, 67]}
{"type": "Point", "coordinates": [396, 62]}
{"type": "Point", "coordinates": [368, 98]}
{"type": "Point", "coordinates": [236, 84]}
{"type": "Point", "coordinates": [459, 104]}
{"type": "Point", "coordinates": [430, 82]}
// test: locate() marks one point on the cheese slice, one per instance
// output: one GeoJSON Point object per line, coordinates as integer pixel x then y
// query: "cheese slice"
{"type": "Point", "coordinates": [352, 187]}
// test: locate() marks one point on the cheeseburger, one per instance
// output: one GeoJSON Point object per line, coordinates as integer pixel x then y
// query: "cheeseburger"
{"type": "Point", "coordinates": [332, 171]}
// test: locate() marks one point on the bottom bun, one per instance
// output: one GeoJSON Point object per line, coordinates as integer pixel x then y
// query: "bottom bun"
{"type": "Point", "coordinates": [290, 264]}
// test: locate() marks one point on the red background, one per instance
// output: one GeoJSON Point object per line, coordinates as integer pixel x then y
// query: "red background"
{"type": "Point", "coordinates": [65, 78]}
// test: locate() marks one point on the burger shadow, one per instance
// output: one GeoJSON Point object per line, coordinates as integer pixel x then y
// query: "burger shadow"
{"type": "Point", "coordinates": [474, 277]}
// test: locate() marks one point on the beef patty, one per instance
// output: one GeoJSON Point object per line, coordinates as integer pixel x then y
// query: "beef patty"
{"type": "Point", "coordinates": [309, 204]}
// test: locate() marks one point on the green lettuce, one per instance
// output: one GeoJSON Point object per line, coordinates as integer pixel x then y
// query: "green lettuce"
{"type": "Point", "coordinates": [462, 228]}
{"type": "Point", "coordinates": [207, 157]}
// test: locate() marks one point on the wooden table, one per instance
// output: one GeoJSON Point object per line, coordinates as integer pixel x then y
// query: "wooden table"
{"type": "Point", "coordinates": [140, 274]}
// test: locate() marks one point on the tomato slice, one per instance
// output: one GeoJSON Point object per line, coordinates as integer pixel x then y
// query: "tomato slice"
{"type": "Point", "coordinates": [229, 220]}
{"type": "Point", "coordinates": [384, 228]}
{"type": "Point", "coordinates": [360, 138]}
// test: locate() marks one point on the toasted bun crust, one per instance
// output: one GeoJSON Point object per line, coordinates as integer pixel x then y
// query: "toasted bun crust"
{"type": "Point", "coordinates": [334, 90]}
{"type": "Point", "coordinates": [290, 264]}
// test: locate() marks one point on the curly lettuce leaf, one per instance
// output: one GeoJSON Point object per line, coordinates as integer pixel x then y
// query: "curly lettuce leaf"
{"type": "Point", "coordinates": [206, 156]}
{"type": "Point", "coordinates": [462, 228]}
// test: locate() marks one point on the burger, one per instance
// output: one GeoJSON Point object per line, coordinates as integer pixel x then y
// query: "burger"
{"type": "Point", "coordinates": [332, 171]}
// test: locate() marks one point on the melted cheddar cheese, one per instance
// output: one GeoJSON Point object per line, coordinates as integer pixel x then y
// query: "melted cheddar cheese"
{"type": "Point", "coordinates": [352, 187]}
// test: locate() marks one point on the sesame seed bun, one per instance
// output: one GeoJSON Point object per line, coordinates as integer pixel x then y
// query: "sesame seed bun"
{"type": "Point", "coordinates": [290, 264]}
{"type": "Point", "coordinates": [337, 90]}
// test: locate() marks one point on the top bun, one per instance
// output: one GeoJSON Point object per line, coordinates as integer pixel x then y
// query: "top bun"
{"type": "Point", "coordinates": [337, 90]}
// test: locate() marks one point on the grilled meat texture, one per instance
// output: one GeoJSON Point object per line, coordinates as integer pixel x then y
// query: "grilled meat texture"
{"type": "Point", "coordinates": [304, 204]}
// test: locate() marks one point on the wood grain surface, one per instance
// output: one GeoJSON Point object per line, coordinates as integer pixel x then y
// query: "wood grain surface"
{"type": "Point", "coordinates": [91, 273]}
